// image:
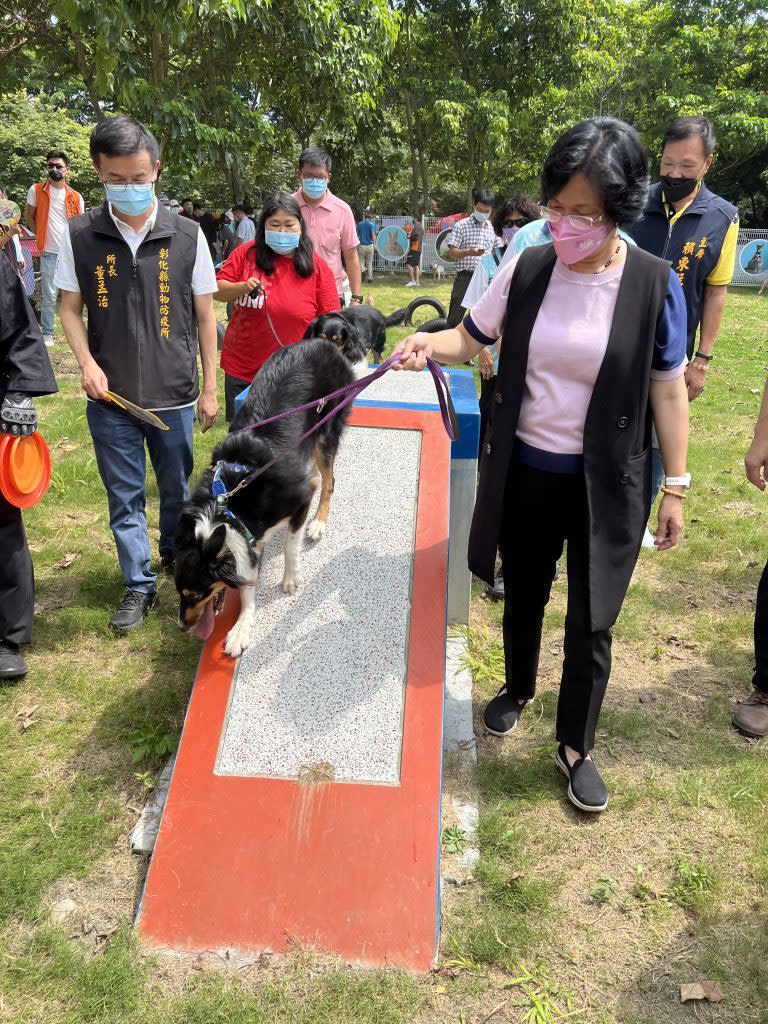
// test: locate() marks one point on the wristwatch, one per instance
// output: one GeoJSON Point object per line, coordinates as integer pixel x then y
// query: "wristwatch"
{"type": "Point", "coordinates": [356, 298]}
{"type": "Point", "coordinates": [678, 481]}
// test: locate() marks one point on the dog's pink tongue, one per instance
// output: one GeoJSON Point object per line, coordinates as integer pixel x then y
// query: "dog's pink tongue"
{"type": "Point", "coordinates": [204, 626]}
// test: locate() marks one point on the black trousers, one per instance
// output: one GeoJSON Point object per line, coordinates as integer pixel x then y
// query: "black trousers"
{"type": "Point", "coordinates": [761, 633]}
{"type": "Point", "coordinates": [541, 511]}
{"type": "Point", "coordinates": [456, 309]}
{"type": "Point", "coordinates": [17, 582]}
{"type": "Point", "coordinates": [232, 388]}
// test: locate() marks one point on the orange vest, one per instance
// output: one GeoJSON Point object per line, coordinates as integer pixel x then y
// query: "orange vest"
{"type": "Point", "coordinates": [71, 208]}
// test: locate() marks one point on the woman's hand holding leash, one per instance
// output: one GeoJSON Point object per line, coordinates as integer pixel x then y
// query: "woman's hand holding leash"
{"type": "Point", "coordinates": [414, 352]}
{"type": "Point", "coordinates": [253, 284]}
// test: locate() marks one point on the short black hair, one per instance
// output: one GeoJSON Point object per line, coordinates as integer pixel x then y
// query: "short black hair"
{"type": "Point", "coordinates": [688, 127]}
{"type": "Point", "coordinates": [303, 260]}
{"type": "Point", "coordinates": [418, 217]}
{"type": "Point", "coordinates": [122, 136]}
{"type": "Point", "coordinates": [248, 209]}
{"type": "Point", "coordinates": [189, 199]}
{"type": "Point", "coordinates": [610, 154]}
{"type": "Point", "coordinates": [238, 208]}
{"type": "Point", "coordinates": [57, 154]}
{"type": "Point", "coordinates": [197, 206]}
{"type": "Point", "coordinates": [314, 156]}
{"type": "Point", "coordinates": [518, 203]}
{"type": "Point", "coordinates": [483, 195]}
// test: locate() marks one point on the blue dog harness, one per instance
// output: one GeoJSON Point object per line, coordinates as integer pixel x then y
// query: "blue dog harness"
{"type": "Point", "coordinates": [221, 494]}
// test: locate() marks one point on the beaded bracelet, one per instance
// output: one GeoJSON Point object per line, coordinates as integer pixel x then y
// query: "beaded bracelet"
{"type": "Point", "coordinates": [677, 494]}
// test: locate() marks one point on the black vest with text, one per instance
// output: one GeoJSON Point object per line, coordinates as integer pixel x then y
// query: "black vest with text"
{"type": "Point", "coordinates": [617, 465]}
{"type": "Point", "coordinates": [141, 319]}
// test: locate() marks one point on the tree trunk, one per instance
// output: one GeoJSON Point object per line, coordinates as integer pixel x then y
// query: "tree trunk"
{"type": "Point", "coordinates": [472, 157]}
{"type": "Point", "coordinates": [412, 146]}
{"type": "Point", "coordinates": [420, 146]}
{"type": "Point", "coordinates": [86, 73]}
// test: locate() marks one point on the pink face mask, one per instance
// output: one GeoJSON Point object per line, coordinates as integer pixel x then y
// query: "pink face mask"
{"type": "Point", "coordinates": [575, 244]}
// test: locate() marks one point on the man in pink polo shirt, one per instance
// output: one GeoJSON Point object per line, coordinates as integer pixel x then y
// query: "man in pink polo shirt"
{"type": "Point", "coordinates": [330, 221]}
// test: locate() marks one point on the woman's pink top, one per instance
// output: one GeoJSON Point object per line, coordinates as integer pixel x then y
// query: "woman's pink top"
{"type": "Point", "coordinates": [567, 348]}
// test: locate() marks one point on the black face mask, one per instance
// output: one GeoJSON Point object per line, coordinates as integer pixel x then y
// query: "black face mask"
{"type": "Point", "coordinates": [55, 174]}
{"type": "Point", "coordinates": [676, 189]}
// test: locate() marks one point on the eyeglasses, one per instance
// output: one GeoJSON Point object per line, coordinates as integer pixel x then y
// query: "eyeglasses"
{"type": "Point", "coordinates": [575, 220]}
{"type": "Point", "coordinates": [516, 223]}
{"type": "Point", "coordinates": [130, 184]}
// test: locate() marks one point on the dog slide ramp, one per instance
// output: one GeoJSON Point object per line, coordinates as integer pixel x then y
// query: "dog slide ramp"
{"type": "Point", "coordinates": [305, 801]}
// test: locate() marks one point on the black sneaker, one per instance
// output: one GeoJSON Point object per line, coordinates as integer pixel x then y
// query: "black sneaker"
{"type": "Point", "coordinates": [497, 590]}
{"type": "Point", "coordinates": [586, 789]}
{"type": "Point", "coordinates": [133, 609]}
{"type": "Point", "coordinates": [12, 665]}
{"type": "Point", "coordinates": [501, 713]}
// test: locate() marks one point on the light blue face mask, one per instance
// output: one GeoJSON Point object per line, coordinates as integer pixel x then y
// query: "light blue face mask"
{"type": "Point", "coordinates": [314, 188]}
{"type": "Point", "coordinates": [132, 200]}
{"type": "Point", "coordinates": [282, 242]}
{"type": "Point", "coordinates": [481, 217]}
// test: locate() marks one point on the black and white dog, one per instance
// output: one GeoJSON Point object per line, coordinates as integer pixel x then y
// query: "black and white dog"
{"type": "Point", "coordinates": [220, 540]}
{"type": "Point", "coordinates": [362, 326]}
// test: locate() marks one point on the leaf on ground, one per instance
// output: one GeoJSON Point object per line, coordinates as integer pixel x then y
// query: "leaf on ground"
{"type": "Point", "coordinates": [647, 697]}
{"type": "Point", "coordinates": [25, 717]}
{"type": "Point", "coordinates": [673, 734]}
{"type": "Point", "coordinates": [698, 990]}
{"type": "Point", "coordinates": [515, 876]}
{"type": "Point", "coordinates": [67, 560]}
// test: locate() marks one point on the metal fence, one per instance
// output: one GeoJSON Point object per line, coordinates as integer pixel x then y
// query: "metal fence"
{"type": "Point", "coordinates": [750, 253]}
{"type": "Point", "coordinates": [429, 254]}
{"type": "Point", "coordinates": [742, 278]}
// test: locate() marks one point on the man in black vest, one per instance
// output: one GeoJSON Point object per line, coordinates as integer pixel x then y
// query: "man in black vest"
{"type": "Point", "coordinates": [696, 230]}
{"type": "Point", "coordinates": [25, 371]}
{"type": "Point", "coordinates": [147, 280]}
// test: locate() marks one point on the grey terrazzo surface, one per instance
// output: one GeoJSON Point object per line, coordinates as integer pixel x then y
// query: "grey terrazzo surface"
{"type": "Point", "coordinates": [322, 683]}
{"type": "Point", "coordinates": [403, 386]}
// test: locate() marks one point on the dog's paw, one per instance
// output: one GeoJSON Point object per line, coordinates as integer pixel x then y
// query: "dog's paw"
{"type": "Point", "coordinates": [290, 584]}
{"type": "Point", "coordinates": [238, 638]}
{"type": "Point", "coordinates": [316, 529]}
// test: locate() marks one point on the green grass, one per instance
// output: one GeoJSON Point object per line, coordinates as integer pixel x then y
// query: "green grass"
{"type": "Point", "coordinates": [605, 917]}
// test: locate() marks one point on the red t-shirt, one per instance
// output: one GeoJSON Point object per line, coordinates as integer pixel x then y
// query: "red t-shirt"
{"type": "Point", "coordinates": [293, 302]}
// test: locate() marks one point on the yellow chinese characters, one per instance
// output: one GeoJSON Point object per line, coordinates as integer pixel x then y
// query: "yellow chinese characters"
{"type": "Point", "coordinates": [102, 293]}
{"type": "Point", "coordinates": [702, 248]}
{"type": "Point", "coordinates": [111, 265]}
{"type": "Point", "coordinates": [165, 292]}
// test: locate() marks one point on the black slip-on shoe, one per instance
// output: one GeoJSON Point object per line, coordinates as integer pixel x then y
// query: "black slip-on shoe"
{"type": "Point", "coordinates": [586, 789]}
{"type": "Point", "coordinates": [12, 665]}
{"type": "Point", "coordinates": [133, 609]}
{"type": "Point", "coordinates": [501, 713]}
{"type": "Point", "coordinates": [497, 590]}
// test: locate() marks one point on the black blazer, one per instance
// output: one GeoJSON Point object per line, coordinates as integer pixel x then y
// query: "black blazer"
{"type": "Point", "coordinates": [617, 458]}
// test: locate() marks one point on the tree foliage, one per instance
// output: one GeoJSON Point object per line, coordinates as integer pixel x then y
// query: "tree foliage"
{"type": "Point", "coordinates": [418, 100]}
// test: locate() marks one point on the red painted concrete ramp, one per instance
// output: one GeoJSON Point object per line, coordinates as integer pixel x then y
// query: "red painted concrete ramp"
{"type": "Point", "coordinates": [305, 802]}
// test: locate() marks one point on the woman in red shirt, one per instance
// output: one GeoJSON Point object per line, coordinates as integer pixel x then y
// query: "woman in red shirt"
{"type": "Point", "coordinates": [277, 274]}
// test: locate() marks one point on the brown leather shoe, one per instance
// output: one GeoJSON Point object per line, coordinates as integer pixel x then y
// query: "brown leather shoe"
{"type": "Point", "coordinates": [751, 715]}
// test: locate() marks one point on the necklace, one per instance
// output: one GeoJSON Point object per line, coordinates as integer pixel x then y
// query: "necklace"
{"type": "Point", "coordinates": [610, 261]}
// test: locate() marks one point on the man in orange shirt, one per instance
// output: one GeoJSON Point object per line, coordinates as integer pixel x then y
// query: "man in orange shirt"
{"type": "Point", "coordinates": [50, 204]}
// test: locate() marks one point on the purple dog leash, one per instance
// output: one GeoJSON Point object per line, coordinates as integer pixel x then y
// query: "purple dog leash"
{"type": "Point", "coordinates": [346, 396]}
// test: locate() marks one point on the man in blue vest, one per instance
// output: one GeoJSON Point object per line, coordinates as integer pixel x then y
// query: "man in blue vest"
{"type": "Point", "coordinates": [696, 230]}
{"type": "Point", "coordinates": [146, 277]}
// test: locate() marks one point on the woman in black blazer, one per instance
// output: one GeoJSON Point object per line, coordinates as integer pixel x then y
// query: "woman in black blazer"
{"type": "Point", "coordinates": [593, 342]}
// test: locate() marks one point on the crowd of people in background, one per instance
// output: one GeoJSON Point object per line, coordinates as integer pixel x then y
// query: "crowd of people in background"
{"type": "Point", "coordinates": [592, 310]}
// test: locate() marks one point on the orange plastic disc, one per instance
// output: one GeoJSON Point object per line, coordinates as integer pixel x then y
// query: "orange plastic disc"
{"type": "Point", "coordinates": [25, 469]}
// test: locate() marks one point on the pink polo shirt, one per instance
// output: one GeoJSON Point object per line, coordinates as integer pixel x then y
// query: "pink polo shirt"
{"type": "Point", "coordinates": [567, 348]}
{"type": "Point", "coordinates": [331, 226]}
